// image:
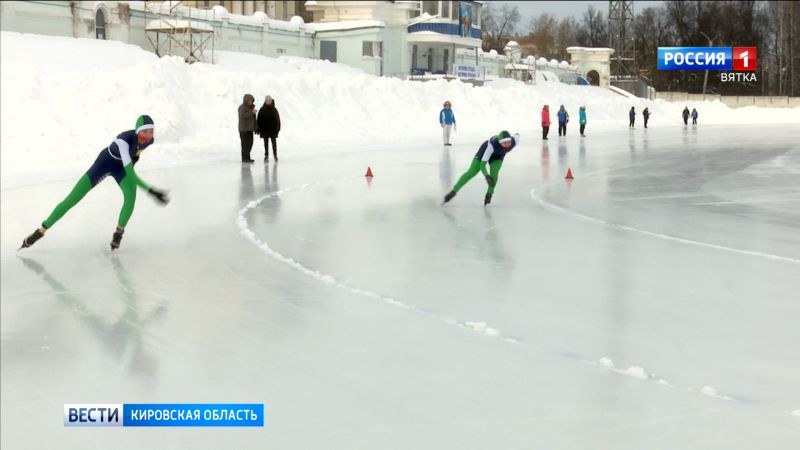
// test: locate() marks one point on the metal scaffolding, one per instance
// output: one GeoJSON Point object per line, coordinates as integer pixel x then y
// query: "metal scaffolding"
{"type": "Point", "coordinates": [172, 31]}
{"type": "Point", "coordinates": [621, 38]}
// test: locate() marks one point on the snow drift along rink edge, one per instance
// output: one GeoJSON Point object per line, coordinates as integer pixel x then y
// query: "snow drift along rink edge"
{"type": "Point", "coordinates": [63, 99]}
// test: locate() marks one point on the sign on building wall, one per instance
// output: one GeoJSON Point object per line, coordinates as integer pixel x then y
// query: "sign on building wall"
{"type": "Point", "coordinates": [466, 18]}
{"type": "Point", "coordinates": [468, 72]}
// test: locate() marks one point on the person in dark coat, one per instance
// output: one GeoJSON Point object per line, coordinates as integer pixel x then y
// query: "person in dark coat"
{"type": "Point", "coordinates": [269, 125]}
{"type": "Point", "coordinates": [247, 126]}
{"type": "Point", "coordinates": [686, 115]}
{"type": "Point", "coordinates": [632, 116]}
{"type": "Point", "coordinates": [646, 115]}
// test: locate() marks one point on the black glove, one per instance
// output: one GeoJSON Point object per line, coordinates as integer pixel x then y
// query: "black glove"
{"type": "Point", "coordinates": [490, 180]}
{"type": "Point", "coordinates": [160, 196]}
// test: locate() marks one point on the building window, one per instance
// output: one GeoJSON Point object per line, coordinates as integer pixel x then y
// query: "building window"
{"type": "Point", "coordinates": [416, 11]}
{"type": "Point", "coordinates": [371, 48]}
{"type": "Point", "coordinates": [100, 24]}
{"type": "Point", "coordinates": [446, 9]}
{"type": "Point", "coordinates": [430, 7]}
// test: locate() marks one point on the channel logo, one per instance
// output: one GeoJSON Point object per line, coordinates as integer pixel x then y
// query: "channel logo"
{"type": "Point", "coordinates": [93, 415]}
{"type": "Point", "coordinates": [707, 58]}
{"type": "Point", "coordinates": [164, 415]}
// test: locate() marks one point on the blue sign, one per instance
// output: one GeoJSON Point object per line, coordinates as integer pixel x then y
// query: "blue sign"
{"type": "Point", "coordinates": [164, 415]}
{"type": "Point", "coordinates": [695, 58]}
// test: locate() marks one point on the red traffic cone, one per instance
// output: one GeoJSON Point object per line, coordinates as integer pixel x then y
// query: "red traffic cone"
{"type": "Point", "coordinates": [569, 174]}
{"type": "Point", "coordinates": [369, 172]}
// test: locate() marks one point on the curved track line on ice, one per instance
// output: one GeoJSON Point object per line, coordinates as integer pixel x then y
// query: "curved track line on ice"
{"type": "Point", "coordinates": [604, 363]}
{"type": "Point", "coordinates": [659, 235]}
{"type": "Point", "coordinates": [241, 221]}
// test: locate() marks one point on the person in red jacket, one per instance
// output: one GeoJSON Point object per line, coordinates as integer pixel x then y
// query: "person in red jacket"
{"type": "Point", "coordinates": [545, 121]}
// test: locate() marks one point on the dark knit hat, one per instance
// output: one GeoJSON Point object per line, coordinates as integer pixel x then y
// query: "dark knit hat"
{"type": "Point", "coordinates": [144, 122]}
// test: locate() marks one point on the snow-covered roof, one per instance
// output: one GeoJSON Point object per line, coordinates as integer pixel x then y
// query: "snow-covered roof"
{"type": "Point", "coordinates": [513, 66]}
{"type": "Point", "coordinates": [345, 25]}
{"type": "Point", "coordinates": [591, 49]}
{"type": "Point", "coordinates": [218, 13]}
{"type": "Point", "coordinates": [179, 25]}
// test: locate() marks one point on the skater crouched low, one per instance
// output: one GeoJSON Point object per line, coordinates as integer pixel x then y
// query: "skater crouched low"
{"type": "Point", "coordinates": [490, 153]}
{"type": "Point", "coordinates": [116, 160]}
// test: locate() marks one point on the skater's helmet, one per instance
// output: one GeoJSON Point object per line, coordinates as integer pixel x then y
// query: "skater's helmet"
{"type": "Point", "coordinates": [144, 122]}
{"type": "Point", "coordinates": [504, 137]}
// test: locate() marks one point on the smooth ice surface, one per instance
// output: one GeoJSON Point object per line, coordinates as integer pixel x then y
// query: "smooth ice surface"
{"type": "Point", "coordinates": [650, 303]}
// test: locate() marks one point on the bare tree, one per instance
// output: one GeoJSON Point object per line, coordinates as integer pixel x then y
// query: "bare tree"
{"type": "Point", "coordinates": [507, 20]}
{"type": "Point", "coordinates": [593, 30]}
{"type": "Point", "coordinates": [498, 24]}
{"type": "Point", "coordinates": [566, 36]}
{"type": "Point", "coordinates": [544, 28]}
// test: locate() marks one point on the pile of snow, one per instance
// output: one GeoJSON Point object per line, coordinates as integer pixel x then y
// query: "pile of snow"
{"type": "Point", "coordinates": [64, 99]}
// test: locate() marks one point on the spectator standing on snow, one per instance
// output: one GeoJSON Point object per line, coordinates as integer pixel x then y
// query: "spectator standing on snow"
{"type": "Point", "coordinates": [447, 120]}
{"type": "Point", "coordinates": [563, 118]}
{"type": "Point", "coordinates": [545, 121]}
{"type": "Point", "coordinates": [694, 116]}
{"type": "Point", "coordinates": [269, 125]}
{"type": "Point", "coordinates": [247, 126]}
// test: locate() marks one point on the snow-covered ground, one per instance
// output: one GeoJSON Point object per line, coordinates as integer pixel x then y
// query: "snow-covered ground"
{"type": "Point", "coordinates": [64, 99]}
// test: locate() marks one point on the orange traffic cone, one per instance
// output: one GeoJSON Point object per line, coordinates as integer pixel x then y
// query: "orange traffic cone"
{"type": "Point", "coordinates": [369, 172]}
{"type": "Point", "coordinates": [569, 174]}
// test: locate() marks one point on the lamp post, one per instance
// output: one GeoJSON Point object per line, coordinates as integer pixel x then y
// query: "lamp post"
{"type": "Point", "coordinates": [710, 44]}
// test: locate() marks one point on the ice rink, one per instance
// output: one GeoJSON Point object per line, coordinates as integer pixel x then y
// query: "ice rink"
{"type": "Point", "coordinates": [651, 303]}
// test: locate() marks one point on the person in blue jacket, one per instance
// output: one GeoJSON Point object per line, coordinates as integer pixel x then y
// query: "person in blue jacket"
{"type": "Point", "coordinates": [694, 116]}
{"type": "Point", "coordinates": [117, 161]}
{"type": "Point", "coordinates": [491, 153]}
{"type": "Point", "coordinates": [563, 118]}
{"type": "Point", "coordinates": [447, 120]}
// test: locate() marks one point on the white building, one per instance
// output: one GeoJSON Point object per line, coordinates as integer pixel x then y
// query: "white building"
{"type": "Point", "coordinates": [380, 37]}
{"type": "Point", "coordinates": [593, 63]}
{"type": "Point", "coordinates": [416, 36]}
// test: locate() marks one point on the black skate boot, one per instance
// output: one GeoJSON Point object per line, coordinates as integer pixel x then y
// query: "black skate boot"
{"type": "Point", "coordinates": [449, 196]}
{"type": "Point", "coordinates": [487, 199]}
{"type": "Point", "coordinates": [115, 240]}
{"type": "Point", "coordinates": [30, 240]}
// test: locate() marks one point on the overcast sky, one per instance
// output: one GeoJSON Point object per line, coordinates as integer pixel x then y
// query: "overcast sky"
{"type": "Point", "coordinates": [561, 9]}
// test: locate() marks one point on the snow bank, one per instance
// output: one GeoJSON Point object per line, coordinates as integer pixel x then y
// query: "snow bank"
{"type": "Point", "coordinates": [64, 99]}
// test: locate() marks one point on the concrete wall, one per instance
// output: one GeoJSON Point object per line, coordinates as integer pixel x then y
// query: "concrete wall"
{"type": "Point", "coordinates": [349, 48]}
{"type": "Point", "coordinates": [734, 101]}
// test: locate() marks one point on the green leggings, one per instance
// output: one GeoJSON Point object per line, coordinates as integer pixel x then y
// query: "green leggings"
{"type": "Point", "coordinates": [477, 166]}
{"type": "Point", "coordinates": [127, 185]}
